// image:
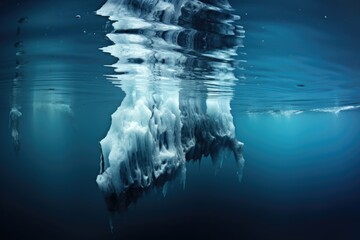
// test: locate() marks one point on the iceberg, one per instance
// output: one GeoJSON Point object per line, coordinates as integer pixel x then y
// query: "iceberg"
{"type": "Point", "coordinates": [14, 116]}
{"type": "Point", "coordinates": [175, 62]}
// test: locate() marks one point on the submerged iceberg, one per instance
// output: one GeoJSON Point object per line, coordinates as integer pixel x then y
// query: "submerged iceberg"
{"type": "Point", "coordinates": [175, 65]}
{"type": "Point", "coordinates": [14, 116]}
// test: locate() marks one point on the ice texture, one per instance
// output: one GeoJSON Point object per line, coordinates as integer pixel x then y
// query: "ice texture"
{"type": "Point", "coordinates": [143, 143]}
{"type": "Point", "coordinates": [175, 62]}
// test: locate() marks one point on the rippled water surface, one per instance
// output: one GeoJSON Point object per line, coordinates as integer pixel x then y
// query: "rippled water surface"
{"type": "Point", "coordinates": [172, 90]}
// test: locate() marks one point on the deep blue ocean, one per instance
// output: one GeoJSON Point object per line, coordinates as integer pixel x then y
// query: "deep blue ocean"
{"type": "Point", "coordinates": [294, 93]}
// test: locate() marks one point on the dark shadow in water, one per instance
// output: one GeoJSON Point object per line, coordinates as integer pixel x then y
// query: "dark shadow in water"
{"type": "Point", "coordinates": [120, 203]}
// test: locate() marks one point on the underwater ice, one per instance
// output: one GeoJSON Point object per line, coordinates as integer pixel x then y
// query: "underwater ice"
{"type": "Point", "coordinates": [15, 115]}
{"type": "Point", "coordinates": [152, 138]}
{"type": "Point", "coordinates": [175, 62]}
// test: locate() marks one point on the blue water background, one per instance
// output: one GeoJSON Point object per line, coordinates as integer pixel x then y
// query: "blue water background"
{"type": "Point", "coordinates": [301, 175]}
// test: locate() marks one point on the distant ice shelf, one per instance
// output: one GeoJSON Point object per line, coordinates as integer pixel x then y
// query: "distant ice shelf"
{"type": "Point", "coordinates": [336, 110]}
{"type": "Point", "coordinates": [289, 113]}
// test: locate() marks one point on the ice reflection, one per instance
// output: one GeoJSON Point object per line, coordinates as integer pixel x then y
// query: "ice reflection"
{"type": "Point", "coordinates": [15, 114]}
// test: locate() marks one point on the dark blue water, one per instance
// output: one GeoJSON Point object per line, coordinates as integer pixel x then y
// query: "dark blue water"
{"type": "Point", "coordinates": [294, 105]}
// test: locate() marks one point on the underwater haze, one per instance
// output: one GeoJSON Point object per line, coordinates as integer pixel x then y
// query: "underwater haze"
{"type": "Point", "coordinates": [180, 119]}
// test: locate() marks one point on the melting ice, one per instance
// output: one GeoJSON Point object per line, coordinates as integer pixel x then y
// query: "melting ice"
{"type": "Point", "coordinates": [175, 62]}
